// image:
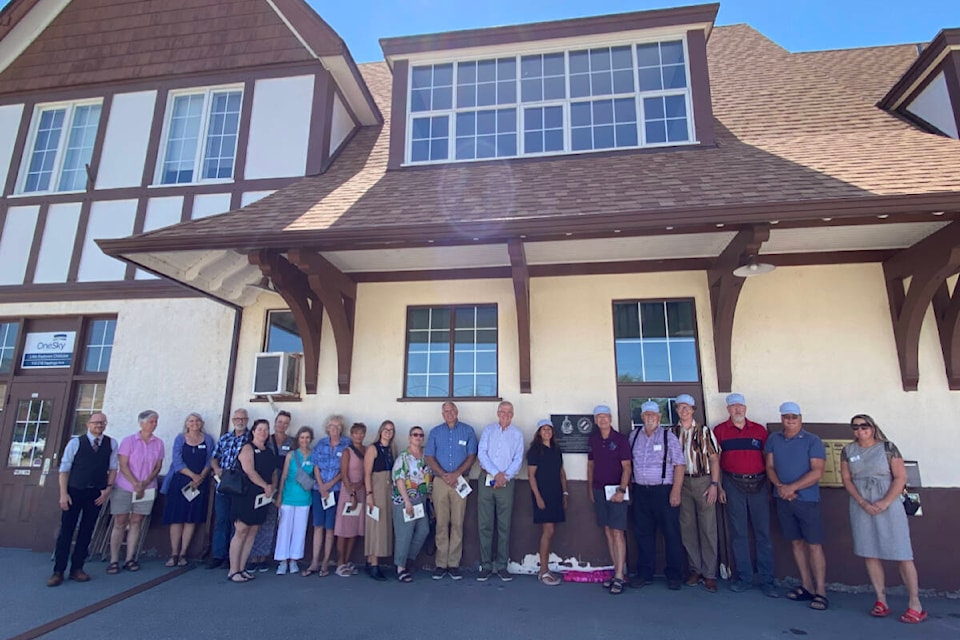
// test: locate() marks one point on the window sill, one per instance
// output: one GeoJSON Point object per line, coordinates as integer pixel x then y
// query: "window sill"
{"type": "Point", "coordinates": [278, 398]}
{"type": "Point", "coordinates": [200, 183]}
{"type": "Point", "coordinates": [446, 399]}
{"type": "Point", "coordinates": [48, 192]}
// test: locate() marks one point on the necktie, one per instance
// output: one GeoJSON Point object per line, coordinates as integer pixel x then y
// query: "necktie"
{"type": "Point", "coordinates": [96, 444]}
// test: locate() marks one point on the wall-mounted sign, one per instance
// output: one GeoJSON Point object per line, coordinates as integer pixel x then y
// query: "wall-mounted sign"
{"type": "Point", "coordinates": [48, 350]}
{"type": "Point", "coordinates": [572, 431]}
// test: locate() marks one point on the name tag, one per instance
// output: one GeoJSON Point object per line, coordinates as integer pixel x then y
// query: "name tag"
{"type": "Point", "coordinates": [658, 447]}
{"type": "Point", "coordinates": [339, 454]}
{"type": "Point", "coordinates": [854, 459]}
{"type": "Point", "coordinates": [201, 446]}
{"type": "Point", "coordinates": [462, 443]}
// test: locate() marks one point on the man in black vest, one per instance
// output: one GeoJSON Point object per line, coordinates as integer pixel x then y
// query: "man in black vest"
{"type": "Point", "coordinates": [87, 471]}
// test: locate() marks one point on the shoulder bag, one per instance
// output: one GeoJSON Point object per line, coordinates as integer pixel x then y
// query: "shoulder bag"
{"type": "Point", "coordinates": [304, 479]}
{"type": "Point", "coordinates": [910, 505]}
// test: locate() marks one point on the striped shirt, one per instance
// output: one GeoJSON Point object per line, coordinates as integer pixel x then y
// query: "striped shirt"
{"type": "Point", "coordinates": [698, 445]}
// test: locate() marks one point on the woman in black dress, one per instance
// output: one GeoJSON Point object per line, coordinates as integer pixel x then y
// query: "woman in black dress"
{"type": "Point", "coordinates": [259, 464]}
{"type": "Point", "coordinates": [548, 488]}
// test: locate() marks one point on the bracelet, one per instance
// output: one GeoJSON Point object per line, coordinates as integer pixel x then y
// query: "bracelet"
{"type": "Point", "coordinates": [566, 493]}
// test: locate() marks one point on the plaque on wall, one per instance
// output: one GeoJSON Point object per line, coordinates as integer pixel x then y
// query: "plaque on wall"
{"type": "Point", "coordinates": [572, 431]}
{"type": "Point", "coordinates": [48, 350]}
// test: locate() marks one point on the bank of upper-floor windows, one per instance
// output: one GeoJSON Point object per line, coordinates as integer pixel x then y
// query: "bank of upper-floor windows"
{"type": "Point", "coordinates": [200, 135]}
{"type": "Point", "coordinates": [59, 147]}
{"type": "Point", "coordinates": [616, 97]}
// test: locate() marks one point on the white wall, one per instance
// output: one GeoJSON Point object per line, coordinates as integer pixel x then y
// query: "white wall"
{"type": "Point", "coordinates": [169, 356]}
{"type": "Point", "coordinates": [279, 127]}
{"type": "Point", "coordinates": [161, 212]}
{"type": "Point", "coordinates": [125, 144]}
{"type": "Point", "coordinates": [16, 238]}
{"type": "Point", "coordinates": [341, 124]}
{"type": "Point", "coordinates": [56, 247]}
{"type": "Point", "coordinates": [249, 197]}
{"type": "Point", "coordinates": [108, 219]}
{"type": "Point", "coordinates": [10, 115]}
{"type": "Point", "coordinates": [820, 336]}
{"type": "Point", "coordinates": [210, 204]}
{"type": "Point", "coordinates": [933, 105]}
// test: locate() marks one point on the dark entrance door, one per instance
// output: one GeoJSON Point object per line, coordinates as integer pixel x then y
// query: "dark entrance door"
{"type": "Point", "coordinates": [31, 435]}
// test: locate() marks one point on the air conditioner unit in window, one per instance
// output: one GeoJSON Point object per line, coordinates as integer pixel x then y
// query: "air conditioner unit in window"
{"type": "Point", "coordinates": [276, 374]}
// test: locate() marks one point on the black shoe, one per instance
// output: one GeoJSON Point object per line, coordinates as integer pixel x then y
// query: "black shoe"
{"type": "Point", "coordinates": [455, 573]}
{"type": "Point", "coordinates": [674, 584]}
{"type": "Point", "coordinates": [439, 572]}
{"type": "Point", "coordinates": [378, 574]}
{"type": "Point", "coordinates": [215, 563]}
{"type": "Point", "coordinates": [639, 583]}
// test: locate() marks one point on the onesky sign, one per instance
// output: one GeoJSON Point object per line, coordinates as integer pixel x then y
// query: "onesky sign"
{"type": "Point", "coordinates": [53, 350]}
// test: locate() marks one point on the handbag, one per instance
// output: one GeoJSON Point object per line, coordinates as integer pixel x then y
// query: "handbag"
{"type": "Point", "coordinates": [910, 504]}
{"type": "Point", "coordinates": [232, 482]}
{"type": "Point", "coordinates": [303, 478]}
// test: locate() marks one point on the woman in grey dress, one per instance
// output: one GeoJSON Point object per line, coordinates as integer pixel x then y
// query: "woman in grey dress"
{"type": "Point", "coordinates": [874, 475]}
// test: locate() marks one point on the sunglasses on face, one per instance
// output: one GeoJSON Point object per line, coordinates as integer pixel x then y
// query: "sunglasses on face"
{"type": "Point", "coordinates": [856, 426]}
{"type": "Point", "coordinates": [416, 435]}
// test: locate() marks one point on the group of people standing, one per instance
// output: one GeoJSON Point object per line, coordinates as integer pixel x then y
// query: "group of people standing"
{"type": "Point", "coordinates": [665, 480]}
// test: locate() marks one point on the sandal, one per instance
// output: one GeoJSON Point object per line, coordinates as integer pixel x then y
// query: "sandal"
{"type": "Point", "coordinates": [616, 587]}
{"type": "Point", "coordinates": [237, 578]}
{"type": "Point", "coordinates": [405, 576]}
{"type": "Point", "coordinates": [799, 594]}
{"type": "Point", "coordinates": [246, 574]}
{"type": "Point", "coordinates": [323, 573]}
{"type": "Point", "coordinates": [182, 562]}
{"type": "Point", "coordinates": [131, 565]}
{"type": "Point", "coordinates": [113, 568]}
{"type": "Point", "coordinates": [912, 616]}
{"type": "Point", "coordinates": [309, 571]}
{"type": "Point", "coordinates": [879, 610]}
{"type": "Point", "coordinates": [344, 571]}
{"type": "Point", "coordinates": [549, 579]}
{"type": "Point", "coordinates": [172, 562]}
{"type": "Point", "coordinates": [819, 603]}
{"type": "Point", "coordinates": [606, 584]}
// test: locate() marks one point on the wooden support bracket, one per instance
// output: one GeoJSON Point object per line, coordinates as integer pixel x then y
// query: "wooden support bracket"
{"type": "Point", "coordinates": [725, 293]}
{"type": "Point", "coordinates": [292, 285]}
{"type": "Point", "coordinates": [521, 290]}
{"type": "Point", "coordinates": [338, 294]}
{"type": "Point", "coordinates": [927, 264]}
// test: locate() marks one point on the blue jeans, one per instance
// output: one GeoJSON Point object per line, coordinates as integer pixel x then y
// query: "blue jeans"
{"type": "Point", "coordinates": [756, 506]}
{"type": "Point", "coordinates": [222, 526]}
{"type": "Point", "coordinates": [652, 511]}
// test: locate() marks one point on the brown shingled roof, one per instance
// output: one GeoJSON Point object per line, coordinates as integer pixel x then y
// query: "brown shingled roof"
{"type": "Point", "coordinates": [95, 41]}
{"type": "Point", "coordinates": [794, 132]}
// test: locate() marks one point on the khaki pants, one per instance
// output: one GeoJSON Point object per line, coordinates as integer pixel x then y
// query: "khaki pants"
{"type": "Point", "coordinates": [698, 526]}
{"type": "Point", "coordinates": [450, 509]}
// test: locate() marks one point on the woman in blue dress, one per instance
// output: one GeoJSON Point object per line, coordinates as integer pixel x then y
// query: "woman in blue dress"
{"type": "Point", "coordinates": [190, 466]}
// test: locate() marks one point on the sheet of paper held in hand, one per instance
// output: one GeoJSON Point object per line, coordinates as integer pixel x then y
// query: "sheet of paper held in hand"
{"type": "Point", "coordinates": [329, 501]}
{"type": "Point", "coordinates": [373, 513]}
{"type": "Point", "coordinates": [417, 513]}
{"type": "Point", "coordinates": [349, 510]}
{"type": "Point", "coordinates": [189, 492]}
{"type": "Point", "coordinates": [610, 490]}
{"type": "Point", "coordinates": [148, 496]}
{"type": "Point", "coordinates": [463, 487]}
{"type": "Point", "coordinates": [261, 501]}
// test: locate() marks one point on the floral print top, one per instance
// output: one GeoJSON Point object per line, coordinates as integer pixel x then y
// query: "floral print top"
{"type": "Point", "coordinates": [416, 476]}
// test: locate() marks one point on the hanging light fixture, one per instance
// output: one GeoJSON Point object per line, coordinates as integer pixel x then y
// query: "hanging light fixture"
{"type": "Point", "coordinates": [753, 268]}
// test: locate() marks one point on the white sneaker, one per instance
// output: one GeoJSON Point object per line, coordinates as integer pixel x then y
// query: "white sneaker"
{"type": "Point", "coordinates": [294, 567]}
{"type": "Point", "coordinates": [282, 568]}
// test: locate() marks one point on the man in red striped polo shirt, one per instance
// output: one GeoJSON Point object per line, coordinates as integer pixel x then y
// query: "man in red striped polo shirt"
{"type": "Point", "coordinates": [746, 492]}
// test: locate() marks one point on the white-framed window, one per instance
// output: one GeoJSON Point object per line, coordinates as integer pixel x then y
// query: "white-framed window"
{"type": "Point", "coordinates": [59, 147]}
{"type": "Point", "coordinates": [200, 135]}
{"type": "Point", "coordinates": [624, 96]}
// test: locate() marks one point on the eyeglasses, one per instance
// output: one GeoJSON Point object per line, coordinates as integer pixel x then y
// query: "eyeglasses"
{"type": "Point", "coordinates": [789, 416]}
{"type": "Point", "coordinates": [416, 435]}
{"type": "Point", "coordinates": [856, 426]}
{"type": "Point", "coordinates": [97, 422]}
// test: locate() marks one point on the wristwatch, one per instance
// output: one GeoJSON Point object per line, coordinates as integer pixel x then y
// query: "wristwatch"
{"type": "Point", "coordinates": [621, 490]}
{"type": "Point", "coordinates": [714, 483]}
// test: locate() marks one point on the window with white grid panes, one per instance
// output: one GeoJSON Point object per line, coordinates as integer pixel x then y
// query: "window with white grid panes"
{"type": "Point", "coordinates": [451, 352]}
{"type": "Point", "coordinates": [200, 136]}
{"type": "Point", "coordinates": [655, 341]}
{"type": "Point", "coordinates": [60, 147]}
{"type": "Point", "coordinates": [8, 344]}
{"type": "Point", "coordinates": [613, 97]}
{"type": "Point", "coordinates": [89, 400]}
{"type": "Point", "coordinates": [99, 345]}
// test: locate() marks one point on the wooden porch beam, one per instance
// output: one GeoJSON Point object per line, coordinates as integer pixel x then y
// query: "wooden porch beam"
{"type": "Point", "coordinates": [337, 293]}
{"type": "Point", "coordinates": [927, 264]}
{"type": "Point", "coordinates": [725, 293]}
{"type": "Point", "coordinates": [292, 285]}
{"type": "Point", "coordinates": [521, 291]}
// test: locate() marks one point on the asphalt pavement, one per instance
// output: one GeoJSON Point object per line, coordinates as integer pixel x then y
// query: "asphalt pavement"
{"type": "Point", "coordinates": [157, 603]}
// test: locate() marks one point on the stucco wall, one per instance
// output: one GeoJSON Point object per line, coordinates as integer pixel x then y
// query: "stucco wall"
{"type": "Point", "coordinates": [821, 336]}
{"type": "Point", "coordinates": [168, 355]}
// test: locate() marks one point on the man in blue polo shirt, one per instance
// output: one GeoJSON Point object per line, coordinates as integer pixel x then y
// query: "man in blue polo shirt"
{"type": "Point", "coordinates": [451, 451]}
{"type": "Point", "coordinates": [795, 460]}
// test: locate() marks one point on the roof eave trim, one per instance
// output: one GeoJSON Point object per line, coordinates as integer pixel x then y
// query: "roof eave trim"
{"type": "Point", "coordinates": [943, 44]}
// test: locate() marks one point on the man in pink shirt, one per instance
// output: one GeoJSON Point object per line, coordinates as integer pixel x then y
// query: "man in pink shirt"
{"type": "Point", "coordinates": [140, 456]}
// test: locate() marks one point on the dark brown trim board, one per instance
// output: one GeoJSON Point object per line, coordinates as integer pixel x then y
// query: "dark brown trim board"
{"type": "Point", "coordinates": [951, 73]}
{"type": "Point", "coordinates": [521, 290]}
{"type": "Point", "coordinates": [16, 159]}
{"type": "Point", "coordinates": [921, 67]}
{"type": "Point", "coordinates": [35, 245]}
{"type": "Point", "coordinates": [243, 131]}
{"type": "Point", "coordinates": [78, 240]}
{"type": "Point", "coordinates": [700, 87]}
{"type": "Point", "coordinates": [77, 291]}
{"type": "Point", "coordinates": [321, 119]}
{"type": "Point", "coordinates": [105, 107]}
{"type": "Point", "coordinates": [398, 115]}
{"type": "Point", "coordinates": [139, 219]}
{"type": "Point", "coordinates": [156, 134]}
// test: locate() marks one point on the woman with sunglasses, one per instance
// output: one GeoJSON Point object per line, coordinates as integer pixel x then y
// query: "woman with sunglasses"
{"type": "Point", "coordinates": [411, 487]}
{"type": "Point", "coordinates": [874, 475]}
{"type": "Point", "coordinates": [548, 489]}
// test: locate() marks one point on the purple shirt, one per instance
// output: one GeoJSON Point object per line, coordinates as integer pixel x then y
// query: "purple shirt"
{"type": "Point", "coordinates": [647, 454]}
{"type": "Point", "coordinates": [142, 457]}
{"type": "Point", "coordinates": [607, 456]}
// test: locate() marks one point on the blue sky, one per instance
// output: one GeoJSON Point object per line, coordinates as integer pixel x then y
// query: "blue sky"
{"type": "Point", "coordinates": [797, 25]}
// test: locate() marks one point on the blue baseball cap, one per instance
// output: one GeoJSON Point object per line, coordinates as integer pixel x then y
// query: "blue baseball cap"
{"type": "Point", "coordinates": [602, 408]}
{"type": "Point", "coordinates": [790, 407]}
{"type": "Point", "coordinates": [736, 398]}
{"type": "Point", "coordinates": [650, 405]}
{"type": "Point", "coordinates": [544, 423]}
{"type": "Point", "coordinates": [686, 398]}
